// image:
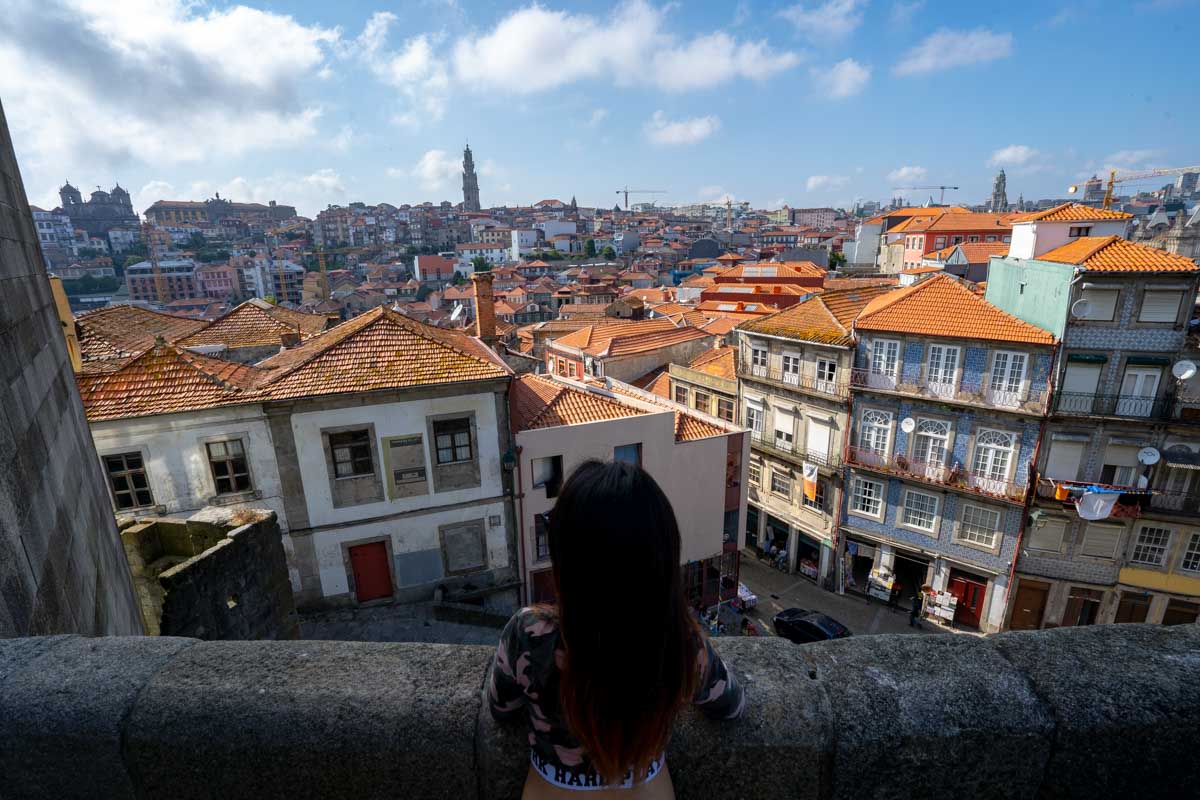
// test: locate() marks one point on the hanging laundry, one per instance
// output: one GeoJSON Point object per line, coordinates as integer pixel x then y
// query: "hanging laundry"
{"type": "Point", "coordinates": [1061, 491]}
{"type": "Point", "coordinates": [1096, 505]}
{"type": "Point", "coordinates": [810, 481]}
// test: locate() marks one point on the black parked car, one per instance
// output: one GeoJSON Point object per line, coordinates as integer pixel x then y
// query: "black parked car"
{"type": "Point", "coordinates": [801, 626]}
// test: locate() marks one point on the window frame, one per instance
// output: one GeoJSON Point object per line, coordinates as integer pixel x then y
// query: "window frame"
{"type": "Point", "coordinates": [1120, 530]}
{"type": "Point", "coordinates": [1162, 547]}
{"type": "Point", "coordinates": [960, 534]}
{"type": "Point", "coordinates": [855, 494]}
{"type": "Point", "coordinates": [755, 419]}
{"type": "Point", "coordinates": [818, 504]}
{"type": "Point", "coordinates": [755, 473]}
{"type": "Point", "coordinates": [886, 428]}
{"type": "Point", "coordinates": [725, 403]}
{"type": "Point", "coordinates": [1191, 552]}
{"type": "Point", "coordinates": [1179, 293]}
{"type": "Point", "coordinates": [367, 443]}
{"type": "Point", "coordinates": [229, 460]}
{"type": "Point", "coordinates": [458, 426]}
{"type": "Point", "coordinates": [682, 394]}
{"type": "Point", "coordinates": [551, 484]}
{"type": "Point", "coordinates": [697, 394]}
{"type": "Point", "coordinates": [786, 479]}
{"type": "Point", "coordinates": [935, 515]}
{"type": "Point", "coordinates": [1062, 537]}
{"type": "Point", "coordinates": [126, 472]}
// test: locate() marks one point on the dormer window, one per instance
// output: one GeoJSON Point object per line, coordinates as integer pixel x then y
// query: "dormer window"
{"type": "Point", "coordinates": [1078, 231]}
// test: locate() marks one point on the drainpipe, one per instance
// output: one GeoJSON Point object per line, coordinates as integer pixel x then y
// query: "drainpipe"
{"type": "Point", "coordinates": [840, 561]}
{"type": "Point", "coordinates": [1031, 488]}
{"type": "Point", "coordinates": [519, 496]}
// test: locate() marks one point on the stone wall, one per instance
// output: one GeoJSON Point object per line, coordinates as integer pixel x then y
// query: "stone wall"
{"type": "Point", "coordinates": [61, 565]}
{"type": "Point", "coordinates": [219, 575]}
{"type": "Point", "coordinates": [1105, 711]}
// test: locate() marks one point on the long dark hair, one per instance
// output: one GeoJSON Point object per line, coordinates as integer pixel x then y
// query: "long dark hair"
{"type": "Point", "coordinates": [631, 642]}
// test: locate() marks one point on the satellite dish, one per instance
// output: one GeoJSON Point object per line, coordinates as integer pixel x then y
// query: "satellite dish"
{"type": "Point", "coordinates": [1081, 308]}
{"type": "Point", "coordinates": [908, 424]}
{"type": "Point", "coordinates": [1148, 456]}
{"type": "Point", "coordinates": [1183, 370]}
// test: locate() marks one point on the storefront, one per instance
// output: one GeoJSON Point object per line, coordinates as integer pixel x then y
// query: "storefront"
{"type": "Point", "coordinates": [971, 591]}
{"type": "Point", "coordinates": [883, 571]}
{"type": "Point", "coordinates": [808, 556]}
{"type": "Point", "coordinates": [776, 534]}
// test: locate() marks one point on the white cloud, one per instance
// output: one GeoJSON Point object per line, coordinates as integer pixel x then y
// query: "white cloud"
{"type": "Point", "coordinates": [945, 49]}
{"type": "Point", "coordinates": [161, 82]}
{"type": "Point", "coordinates": [1147, 158]}
{"type": "Point", "coordinates": [344, 139]}
{"type": "Point", "coordinates": [818, 182]}
{"type": "Point", "coordinates": [309, 193]}
{"type": "Point", "coordinates": [152, 192]}
{"type": "Point", "coordinates": [598, 116]}
{"type": "Point", "coordinates": [1015, 155]}
{"type": "Point", "coordinates": [630, 47]}
{"type": "Point", "coordinates": [844, 79]}
{"type": "Point", "coordinates": [663, 131]}
{"type": "Point", "coordinates": [831, 20]}
{"type": "Point", "coordinates": [903, 12]}
{"type": "Point", "coordinates": [907, 174]}
{"type": "Point", "coordinates": [434, 170]}
{"type": "Point", "coordinates": [415, 71]}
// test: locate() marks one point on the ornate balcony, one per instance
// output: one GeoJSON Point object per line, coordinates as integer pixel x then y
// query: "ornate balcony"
{"type": "Point", "coordinates": [792, 451]}
{"type": "Point", "coordinates": [954, 476]}
{"type": "Point", "coordinates": [836, 388]}
{"type": "Point", "coordinates": [1083, 404]}
{"type": "Point", "coordinates": [1020, 399]}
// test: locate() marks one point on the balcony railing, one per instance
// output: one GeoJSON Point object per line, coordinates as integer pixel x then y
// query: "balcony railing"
{"type": "Point", "coordinates": [792, 450]}
{"type": "Point", "coordinates": [1175, 502]}
{"type": "Point", "coordinates": [952, 475]}
{"type": "Point", "coordinates": [938, 387]}
{"type": "Point", "coordinates": [799, 380]}
{"type": "Point", "coordinates": [1084, 404]}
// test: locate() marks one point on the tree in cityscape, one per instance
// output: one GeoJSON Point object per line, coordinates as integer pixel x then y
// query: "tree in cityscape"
{"type": "Point", "coordinates": [589, 248]}
{"type": "Point", "coordinates": [836, 259]}
{"type": "Point", "coordinates": [609, 253]}
{"type": "Point", "coordinates": [458, 280]}
{"type": "Point", "coordinates": [480, 264]}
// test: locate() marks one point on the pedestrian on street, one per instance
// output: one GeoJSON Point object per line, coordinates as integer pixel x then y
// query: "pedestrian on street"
{"type": "Point", "coordinates": [914, 616]}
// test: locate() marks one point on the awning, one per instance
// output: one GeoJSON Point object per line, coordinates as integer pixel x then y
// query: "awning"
{"type": "Point", "coordinates": [1087, 358]}
{"type": "Point", "coordinates": [1182, 458]}
{"type": "Point", "coordinates": [1154, 361]}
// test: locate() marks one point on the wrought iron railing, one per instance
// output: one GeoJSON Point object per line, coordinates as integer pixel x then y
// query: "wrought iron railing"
{"type": "Point", "coordinates": [1087, 404]}
{"type": "Point", "coordinates": [801, 379]}
{"type": "Point", "coordinates": [794, 451]}
{"type": "Point", "coordinates": [952, 475]}
{"type": "Point", "coordinates": [935, 386]}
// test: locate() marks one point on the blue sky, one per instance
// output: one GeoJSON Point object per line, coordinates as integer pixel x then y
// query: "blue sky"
{"type": "Point", "coordinates": [805, 103]}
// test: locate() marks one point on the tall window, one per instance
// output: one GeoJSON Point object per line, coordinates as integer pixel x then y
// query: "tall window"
{"type": "Point", "coordinates": [875, 433]}
{"type": "Point", "coordinates": [628, 454]}
{"type": "Point", "coordinates": [920, 510]}
{"type": "Point", "coordinates": [725, 408]}
{"type": "Point", "coordinates": [979, 525]}
{"type": "Point", "coordinates": [818, 502]}
{"type": "Point", "coordinates": [1151, 546]}
{"type": "Point", "coordinates": [541, 536]}
{"type": "Point", "coordinates": [866, 497]}
{"type": "Point", "coordinates": [452, 438]}
{"type": "Point", "coordinates": [681, 395]}
{"type": "Point", "coordinates": [1007, 380]}
{"type": "Point", "coordinates": [755, 473]}
{"type": "Point", "coordinates": [127, 477]}
{"type": "Point", "coordinates": [1191, 556]}
{"type": "Point", "coordinates": [758, 361]}
{"type": "Point", "coordinates": [826, 375]}
{"type": "Point", "coordinates": [993, 455]}
{"type": "Point", "coordinates": [931, 442]}
{"type": "Point", "coordinates": [228, 463]}
{"type": "Point", "coordinates": [781, 484]}
{"type": "Point", "coordinates": [703, 402]}
{"type": "Point", "coordinates": [885, 356]}
{"type": "Point", "coordinates": [754, 419]}
{"type": "Point", "coordinates": [548, 474]}
{"type": "Point", "coordinates": [791, 369]}
{"type": "Point", "coordinates": [351, 454]}
{"type": "Point", "coordinates": [942, 369]}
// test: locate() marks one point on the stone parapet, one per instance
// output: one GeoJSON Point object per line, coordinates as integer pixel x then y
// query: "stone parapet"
{"type": "Point", "coordinates": [1103, 711]}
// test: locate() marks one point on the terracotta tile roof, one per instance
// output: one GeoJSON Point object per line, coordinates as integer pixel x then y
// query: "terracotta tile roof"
{"type": "Point", "coordinates": [166, 379]}
{"type": "Point", "coordinates": [861, 283]}
{"type": "Point", "coordinates": [698, 282]}
{"type": "Point", "coordinates": [971, 222]}
{"type": "Point", "coordinates": [1114, 254]}
{"type": "Point", "coordinates": [581, 310]}
{"type": "Point", "coordinates": [772, 269]}
{"type": "Point", "coordinates": [689, 426]}
{"type": "Point", "coordinates": [975, 252]}
{"type": "Point", "coordinates": [109, 336]}
{"type": "Point", "coordinates": [650, 378]}
{"type": "Point", "coordinates": [914, 224]}
{"type": "Point", "coordinates": [380, 349]}
{"type": "Point", "coordinates": [591, 334]}
{"type": "Point", "coordinates": [537, 401]}
{"type": "Point", "coordinates": [719, 326]}
{"type": "Point", "coordinates": [1072, 212]}
{"type": "Point", "coordinates": [944, 306]}
{"type": "Point", "coordinates": [257, 323]}
{"type": "Point", "coordinates": [667, 309]}
{"type": "Point", "coordinates": [827, 318]}
{"type": "Point", "coordinates": [717, 362]}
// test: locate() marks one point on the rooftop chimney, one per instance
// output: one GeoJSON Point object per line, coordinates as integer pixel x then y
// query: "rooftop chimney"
{"type": "Point", "coordinates": [485, 309]}
{"type": "Point", "coordinates": [289, 339]}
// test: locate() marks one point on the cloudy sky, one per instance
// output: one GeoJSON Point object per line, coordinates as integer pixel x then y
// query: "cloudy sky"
{"type": "Point", "coordinates": [806, 103]}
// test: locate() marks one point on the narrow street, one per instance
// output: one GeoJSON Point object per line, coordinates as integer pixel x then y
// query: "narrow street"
{"type": "Point", "coordinates": [778, 590]}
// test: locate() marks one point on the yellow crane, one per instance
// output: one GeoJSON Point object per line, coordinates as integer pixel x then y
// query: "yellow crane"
{"type": "Point", "coordinates": [627, 191]}
{"type": "Point", "coordinates": [1126, 177]}
{"type": "Point", "coordinates": [324, 276]}
{"type": "Point", "coordinates": [151, 235]}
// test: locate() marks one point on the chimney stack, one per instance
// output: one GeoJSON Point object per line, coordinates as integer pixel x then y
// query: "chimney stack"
{"type": "Point", "coordinates": [289, 339]}
{"type": "Point", "coordinates": [485, 309]}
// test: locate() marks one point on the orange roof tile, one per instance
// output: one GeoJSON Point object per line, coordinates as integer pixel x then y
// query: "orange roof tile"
{"type": "Point", "coordinates": [1114, 254]}
{"type": "Point", "coordinates": [772, 269]}
{"type": "Point", "coordinates": [110, 336]}
{"type": "Point", "coordinates": [589, 335]}
{"type": "Point", "coordinates": [971, 222]}
{"type": "Point", "coordinates": [380, 349]}
{"type": "Point", "coordinates": [720, 325]}
{"type": "Point", "coordinates": [944, 306]}
{"type": "Point", "coordinates": [826, 318]}
{"type": "Point", "coordinates": [975, 252]}
{"type": "Point", "coordinates": [717, 362]}
{"type": "Point", "coordinates": [1072, 212]}
{"type": "Point", "coordinates": [688, 425]}
{"type": "Point", "coordinates": [257, 323]}
{"type": "Point", "coordinates": [166, 379]}
{"type": "Point", "coordinates": [537, 401]}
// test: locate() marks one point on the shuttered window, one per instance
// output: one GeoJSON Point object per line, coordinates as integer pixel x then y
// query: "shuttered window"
{"type": "Point", "coordinates": [1101, 540]}
{"type": "Point", "coordinates": [1047, 535]}
{"type": "Point", "coordinates": [1103, 303]}
{"type": "Point", "coordinates": [1064, 459]}
{"type": "Point", "coordinates": [1160, 306]}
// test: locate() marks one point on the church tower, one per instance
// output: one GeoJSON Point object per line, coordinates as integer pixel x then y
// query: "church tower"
{"type": "Point", "coordinates": [470, 182]}
{"type": "Point", "coordinates": [999, 202]}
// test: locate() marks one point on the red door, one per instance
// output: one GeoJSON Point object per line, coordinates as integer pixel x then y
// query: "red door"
{"type": "Point", "coordinates": [372, 577]}
{"type": "Point", "coordinates": [969, 592]}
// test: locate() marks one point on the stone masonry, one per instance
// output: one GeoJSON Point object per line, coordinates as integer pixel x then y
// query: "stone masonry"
{"type": "Point", "coordinates": [61, 565]}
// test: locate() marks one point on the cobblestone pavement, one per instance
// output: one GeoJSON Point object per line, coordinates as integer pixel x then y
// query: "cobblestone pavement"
{"type": "Point", "coordinates": [778, 590]}
{"type": "Point", "coordinates": [399, 623]}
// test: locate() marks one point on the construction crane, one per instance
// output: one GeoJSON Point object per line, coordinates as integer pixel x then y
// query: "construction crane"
{"type": "Point", "coordinates": [151, 234]}
{"type": "Point", "coordinates": [627, 191]}
{"type": "Point", "coordinates": [941, 189]}
{"type": "Point", "coordinates": [324, 277]}
{"type": "Point", "coordinates": [1126, 177]}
